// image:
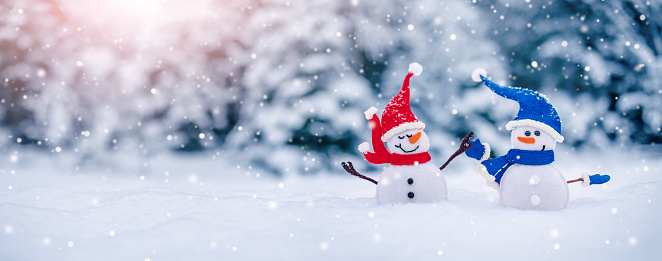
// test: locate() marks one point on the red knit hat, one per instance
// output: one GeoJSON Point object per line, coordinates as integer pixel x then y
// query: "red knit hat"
{"type": "Point", "coordinates": [397, 116]}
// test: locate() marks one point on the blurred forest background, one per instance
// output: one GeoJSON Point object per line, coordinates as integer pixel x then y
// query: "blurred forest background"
{"type": "Point", "coordinates": [281, 85]}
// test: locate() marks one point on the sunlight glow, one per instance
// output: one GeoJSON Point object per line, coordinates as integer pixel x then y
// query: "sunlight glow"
{"type": "Point", "coordinates": [139, 8]}
{"type": "Point", "coordinates": [123, 18]}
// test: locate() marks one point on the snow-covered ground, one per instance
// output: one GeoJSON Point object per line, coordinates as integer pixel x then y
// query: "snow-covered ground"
{"type": "Point", "coordinates": [196, 208]}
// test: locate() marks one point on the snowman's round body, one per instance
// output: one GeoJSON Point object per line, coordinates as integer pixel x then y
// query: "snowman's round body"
{"type": "Point", "coordinates": [531, 187]}
{"type": "Point", "coordinates": [411, 184]}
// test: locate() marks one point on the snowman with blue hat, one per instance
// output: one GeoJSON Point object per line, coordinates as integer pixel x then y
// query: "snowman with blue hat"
{"type": "Point", "coordinates": [525, 176]}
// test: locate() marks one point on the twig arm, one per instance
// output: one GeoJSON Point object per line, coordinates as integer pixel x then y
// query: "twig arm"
{"type": "Point", "coordinates": [464, 146]}
{"type": "Point", "coordinates": [575, 180]}
{"type": "Point", "coordinates": [350, 169]}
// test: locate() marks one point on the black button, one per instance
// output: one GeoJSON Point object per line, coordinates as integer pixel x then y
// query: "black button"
{"type": "Point", "coordinates": [410, 181]}
{"type": "Point", "coordinates": [410, 194]}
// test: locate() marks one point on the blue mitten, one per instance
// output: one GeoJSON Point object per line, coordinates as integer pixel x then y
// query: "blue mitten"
{"type": "Point", "coordinates": [594, 179]}
{"type": "Point", "coordinates": [476, 151]}
{"type": "Point", "coordinates": [599, 179]}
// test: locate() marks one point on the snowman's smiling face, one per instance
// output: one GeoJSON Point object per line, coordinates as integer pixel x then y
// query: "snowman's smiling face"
{"type": "Point", "coordinates": [531, 138]}
{"type": "Point", "coordinates": [409, 142]}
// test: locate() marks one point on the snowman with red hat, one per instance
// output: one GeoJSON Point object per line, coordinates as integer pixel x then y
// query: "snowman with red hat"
{"type": "Point", "coordinates": [525, 176]}
{"type": "Point", "coordinates": [411, 178]}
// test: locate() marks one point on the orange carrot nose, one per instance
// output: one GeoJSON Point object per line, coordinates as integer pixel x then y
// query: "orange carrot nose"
{"type": "Point", "coordinates": [414, 139]}
{"type": "Point", "coordinates": [527, 140]}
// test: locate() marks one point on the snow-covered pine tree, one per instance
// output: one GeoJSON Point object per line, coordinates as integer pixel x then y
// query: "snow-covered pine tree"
{"type": "Point", "coordinates": [282, 85]}
{"type": "Point", "coordinates": [79, 79]}
{"type": "Point", "coordinates": [602, 57]}
{"type": "Point", "coordinates": [315, 75]}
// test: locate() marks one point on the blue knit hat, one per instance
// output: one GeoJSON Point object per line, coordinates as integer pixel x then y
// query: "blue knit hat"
{"type": "Point", "coordinates": [534, 109]}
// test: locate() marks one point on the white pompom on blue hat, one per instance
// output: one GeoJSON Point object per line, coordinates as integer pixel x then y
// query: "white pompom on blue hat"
{"type": "Point", "coordinates": [534, 109]}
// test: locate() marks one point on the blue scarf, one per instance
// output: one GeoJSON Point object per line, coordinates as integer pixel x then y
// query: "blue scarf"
{"type": "Point", "coordinates": [497, 166]}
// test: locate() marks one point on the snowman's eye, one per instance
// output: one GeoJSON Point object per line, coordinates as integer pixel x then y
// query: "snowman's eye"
{"type": "Point", "coordinates": [527, 133]}
{"type": "Point", "coordinates": [537, 133]}
{"type": "Point", "coordinates": [409, 135]}
{"type": "Point", "coordinates": [401, 137]}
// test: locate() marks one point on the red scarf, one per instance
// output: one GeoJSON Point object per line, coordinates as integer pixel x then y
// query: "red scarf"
{"type": "Point", "coordinates": [397, 159]}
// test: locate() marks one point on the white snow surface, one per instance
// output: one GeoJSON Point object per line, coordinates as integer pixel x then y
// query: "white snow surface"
{"type": "Point", "coordinates": [210, 209]}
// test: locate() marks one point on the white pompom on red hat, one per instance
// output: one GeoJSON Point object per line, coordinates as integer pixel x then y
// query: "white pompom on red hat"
{"type": "Point", "coordinates": [415, 68]}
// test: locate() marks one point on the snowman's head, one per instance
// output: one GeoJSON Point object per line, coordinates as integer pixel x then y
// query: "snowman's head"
{"type": "Point", "coordinates": [409, 142]}
{"type": "Point", "coordinates": [531, 138]}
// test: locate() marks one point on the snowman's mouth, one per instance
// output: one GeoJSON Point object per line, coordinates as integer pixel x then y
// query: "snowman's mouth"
{"type": "Point", "coordinates": [543, 148]}
{"type": "Point", "coordinates": [399, 146]}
